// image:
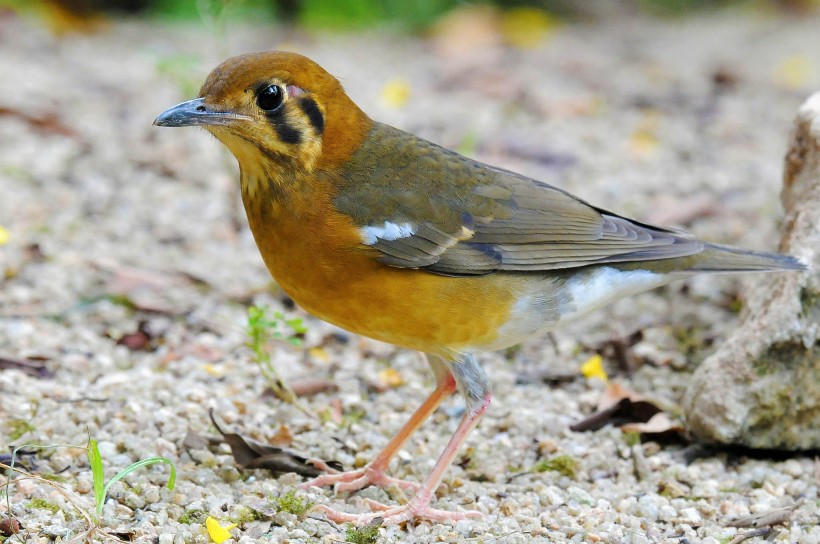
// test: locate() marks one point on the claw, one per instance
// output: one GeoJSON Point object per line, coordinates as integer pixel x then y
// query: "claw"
{"type": "Point", "coordinates": [357, 479]}
{"type": "Point", "coordinates": [415, 509]}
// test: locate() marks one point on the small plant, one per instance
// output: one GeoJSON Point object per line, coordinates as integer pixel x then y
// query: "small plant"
{"type": "Point", "coordinates": [98, 474]}
{"type": "Point", "coordinates": [632, 438]}
{"type": "Point", "coordinates": [563, 464]}
{"type": "Point", "coordinates": [292, 504]}
{"type": "Point", "coordinates": [262, 330]}
{"type": "Point", "coordinates": [369, 534]}
{"type": "Point", "coordinates": [42, 504]}
{"type": "Point", "coordinates": [245, 514]}
{"type": "Point", "coordinates": [194, 515]}
{"type": "Point", "coordinates": [98, 477]}
{"type": "Point", "coordinates": [17, 428]}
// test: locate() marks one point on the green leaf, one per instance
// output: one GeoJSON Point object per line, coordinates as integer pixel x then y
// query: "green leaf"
{"type": "Point", "coordinates": [97, 474]}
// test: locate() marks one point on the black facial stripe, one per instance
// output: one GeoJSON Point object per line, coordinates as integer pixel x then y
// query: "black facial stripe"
{"type": "Point", "coordinates": [314, 114]}
{"type": "Point", "coordinates": [286, 132]}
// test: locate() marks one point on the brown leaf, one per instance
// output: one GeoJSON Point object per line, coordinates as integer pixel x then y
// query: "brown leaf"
{"type": "Point", "coordinates": [307, 387]}
{"type": "Point", "coordinates": [625, 411]}
{"type": "Point", "coordinates": [196, 441]}
{"type": "Point", "coordinates": [764, 532]}
{"type": "Point", "coordinates": [34, 368]}
{"type": "Point", "coordinates": [48, 123]}
{"type": "Point", "coordinates": [617, 406]}
{"type": "Point", "coordinates": [619, 349]}
{"type": "Point", "coordinates": [659, 423]}
{"type": "Point", "coordinates": [547, 377]}
{"type": "Point", "coordinates": [614, 393]}
{"type": "Point", "coordinates": [139, 340]}
{"type": "Point", "coordinates": [250, 454]}
{"type": "Point", "coordinates": [283, 437]}
{"type": "Point", "coordinates": [781, 516]}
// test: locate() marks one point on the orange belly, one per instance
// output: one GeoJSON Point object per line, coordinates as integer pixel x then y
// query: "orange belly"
{"type": "Point", "coordinates": [327, 271]}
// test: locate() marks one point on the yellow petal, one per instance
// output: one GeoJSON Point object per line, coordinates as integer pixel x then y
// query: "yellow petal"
{"type": "Point", "coordinates": [794, 72]}
{"type": "Point", "coordinates": [527, 27]}
{"type": "Point", "coordinates": [396, 93]}
{"type": "Point", "coordinates": [319, 354]}
{"type": "Point", "coordinates": [645, 138]}
{"type": "Point", "coordinates": [5, 235]}
{"type": "Point", "coordinates": [218, 533]}
{"type": "Point", "coordinates": [391, 377]}
{"type": "Point", "coordinates": [215, 371]}
{"type": "Point", "coordinates": [594, 368]}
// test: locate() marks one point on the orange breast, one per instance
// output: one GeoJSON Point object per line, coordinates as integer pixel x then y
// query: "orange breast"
{"type": "Point", "coordinates": [317, 257]}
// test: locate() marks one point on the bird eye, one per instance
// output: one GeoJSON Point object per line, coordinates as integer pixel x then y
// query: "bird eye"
{"type": "Point", "coordinates": [270, 98]}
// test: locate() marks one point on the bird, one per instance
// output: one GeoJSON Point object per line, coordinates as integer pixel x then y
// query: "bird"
{"type": "Point", "coordinates": [393, 237]}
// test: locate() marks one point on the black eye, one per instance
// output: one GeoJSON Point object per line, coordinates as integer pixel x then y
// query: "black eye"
{"type": "Point", "coordinates": [270, 98]}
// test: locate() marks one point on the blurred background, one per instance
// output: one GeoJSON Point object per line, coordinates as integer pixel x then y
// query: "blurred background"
{"type": "Point", "coordinates": [127, 270]}
{"type": "Point", "coordinates": [530, 19]}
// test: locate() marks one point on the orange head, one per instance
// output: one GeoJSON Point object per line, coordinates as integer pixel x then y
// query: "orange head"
{"type": "Point", "coordinates": [276, 111]}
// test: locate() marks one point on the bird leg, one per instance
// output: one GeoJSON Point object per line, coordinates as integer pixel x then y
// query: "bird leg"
{"type": "Point", "coordinates": [374, 472]}
{"type": "Point", "coordinates": [472, 382]}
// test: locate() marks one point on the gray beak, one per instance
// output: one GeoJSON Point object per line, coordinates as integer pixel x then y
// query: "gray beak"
{"type": "Point", "coordinates": [194, 113]}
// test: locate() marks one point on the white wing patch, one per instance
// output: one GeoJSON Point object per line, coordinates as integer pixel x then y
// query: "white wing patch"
{"type": "Point", "coordinates": [389, 231]}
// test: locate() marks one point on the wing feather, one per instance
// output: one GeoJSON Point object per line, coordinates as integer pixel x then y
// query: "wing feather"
{"type": "Point", "coordinates": [469, 218]}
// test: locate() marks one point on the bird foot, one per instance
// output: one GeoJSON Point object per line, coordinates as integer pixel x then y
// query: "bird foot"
{"type": "Point", "coordinates": [357, 479]}
{"type": "Point", "coordinates": [418, 509]}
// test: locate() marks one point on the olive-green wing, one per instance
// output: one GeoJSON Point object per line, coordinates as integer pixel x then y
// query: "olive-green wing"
{"type": "Point", "coordinates": [435, 209]}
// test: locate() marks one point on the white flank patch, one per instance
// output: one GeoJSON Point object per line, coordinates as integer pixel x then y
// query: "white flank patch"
{"type": "Point", "coordinates": [389, 231]}
{"type": "Point", "coordinates": [604, 285]}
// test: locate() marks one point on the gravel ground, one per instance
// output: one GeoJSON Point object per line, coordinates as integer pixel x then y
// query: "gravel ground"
{"type": "Point", "coordinates": [117, 227]}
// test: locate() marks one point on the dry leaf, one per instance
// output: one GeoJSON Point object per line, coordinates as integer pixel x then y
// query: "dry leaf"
{"type": "Point", "coordinates": [283, 436]}
{"type": "Point", "coordinates": [252, 455]}
{"type": "Point", "coordinates": [781, 516]}
{"type": "Point", "coordinates": [617, 406]}
{"type": "Point", "coordinates": [32, 367]}
{"type": "Point", "coordinates": [307, 387]}
{"type": "Point", "coordinates": [139, 340]}
{"type": "Point", "coordinates": [658, 424]}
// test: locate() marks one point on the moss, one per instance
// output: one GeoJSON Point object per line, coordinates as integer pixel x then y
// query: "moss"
{"type": "Point", "coordinates": [17, 428]}
{"type": "Point", "coordinates": [42, 504]}
{"type": "Point", "coordinates": [292, 504]}
{"type": "Point", "coordinates": [785, 411]}
{"type": "Point", "coordinates": [691, 340]}
{"type": "Point", "coordinates": [368, 534]}
{"type": "Point", "coordinates": [245, 514]}
{"type": "Point", "coordinates": [563, 464]}
{"type": "Point", "coordinates": [810, 302]}
{"type": "Point", "coordinates": [194, 515]}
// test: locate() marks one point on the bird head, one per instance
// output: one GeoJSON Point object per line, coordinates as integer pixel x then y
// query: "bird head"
{"type": "Point", "coordinates": [278, 112]}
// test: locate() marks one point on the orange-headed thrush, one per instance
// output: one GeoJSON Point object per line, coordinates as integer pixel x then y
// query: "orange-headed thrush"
{"type": "Point", "coordinates": [396, 238]}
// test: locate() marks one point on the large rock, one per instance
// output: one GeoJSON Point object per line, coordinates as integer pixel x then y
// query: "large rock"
{"type": "Point", "coordinates": [762, 387]}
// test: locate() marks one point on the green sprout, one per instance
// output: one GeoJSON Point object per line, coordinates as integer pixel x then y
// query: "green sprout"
{"type": "Point", "coordinates": [98, 474]}
{"type": "Point", "coordinates": [262, 331]}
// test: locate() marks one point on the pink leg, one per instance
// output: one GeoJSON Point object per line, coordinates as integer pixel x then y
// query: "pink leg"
{"type": "Point", "coordinates": [419, 505]}
{"type": "Point", "coordinates": [374, 472]}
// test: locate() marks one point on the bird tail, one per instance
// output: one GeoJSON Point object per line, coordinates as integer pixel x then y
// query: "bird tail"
{"type": "Point", "coordinates": [719, 258]}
